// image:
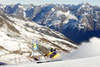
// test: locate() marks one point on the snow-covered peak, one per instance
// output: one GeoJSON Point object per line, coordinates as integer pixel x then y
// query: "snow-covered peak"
{"type": "Point", "coordinates": [18, 4]}
{"type": "Point", "coordinates": [85, 4]}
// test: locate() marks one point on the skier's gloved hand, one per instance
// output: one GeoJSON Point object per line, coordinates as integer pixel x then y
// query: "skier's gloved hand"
{"type": "Point", "coordinates": [45, 54]}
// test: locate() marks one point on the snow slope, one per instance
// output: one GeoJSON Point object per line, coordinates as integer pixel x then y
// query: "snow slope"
{"type": "Point", "coordinates": [91, 59]}
{"type": "Point", "coordinates": [86, 62]}
{"type": "Point", "coordinates": [16, 40]}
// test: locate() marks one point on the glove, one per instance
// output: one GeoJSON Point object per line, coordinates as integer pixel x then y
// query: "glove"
{"type": "Point", "coordinates": [45, 55]}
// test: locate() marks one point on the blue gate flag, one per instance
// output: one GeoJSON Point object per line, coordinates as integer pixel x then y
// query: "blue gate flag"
{"type": "Point", "coordinates": [35, 46]}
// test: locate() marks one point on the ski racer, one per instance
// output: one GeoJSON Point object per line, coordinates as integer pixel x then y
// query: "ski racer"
{"type": "Point", "coordinates": [53, 54]}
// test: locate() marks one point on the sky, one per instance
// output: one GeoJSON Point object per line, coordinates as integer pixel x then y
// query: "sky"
{"type": "Point", "coordinates": [39, 2]}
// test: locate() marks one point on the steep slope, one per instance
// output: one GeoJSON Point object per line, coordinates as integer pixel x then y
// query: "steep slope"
{"type": "Point", "coordinates": [16, 36]}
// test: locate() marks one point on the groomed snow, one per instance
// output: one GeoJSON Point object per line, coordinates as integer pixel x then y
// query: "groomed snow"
{"type": "Point", "coordinates": [86, 62]}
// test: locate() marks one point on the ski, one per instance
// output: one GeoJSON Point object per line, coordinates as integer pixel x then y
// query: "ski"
{"type": "Point", "coordinates": [49, 61]}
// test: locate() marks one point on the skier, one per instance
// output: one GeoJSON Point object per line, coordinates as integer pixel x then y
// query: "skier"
{"type": "Point", "coordinates": [53, 54]}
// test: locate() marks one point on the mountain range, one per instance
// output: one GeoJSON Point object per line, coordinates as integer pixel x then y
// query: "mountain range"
{"type": "Point", "coordinates": [77, 22]}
